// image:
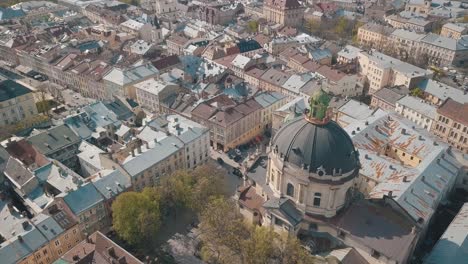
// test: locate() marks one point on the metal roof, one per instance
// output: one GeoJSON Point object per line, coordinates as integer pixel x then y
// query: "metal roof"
{"type": "Point", "coordinates": [83, 198]}
{"type": "Point", "coordinates": [452, 246]}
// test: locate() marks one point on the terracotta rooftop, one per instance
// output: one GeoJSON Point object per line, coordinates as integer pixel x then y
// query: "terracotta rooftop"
{"type": "Point", "coordinates": [454, 110]}
{"type": "Point", "coordinates": [99, 249]}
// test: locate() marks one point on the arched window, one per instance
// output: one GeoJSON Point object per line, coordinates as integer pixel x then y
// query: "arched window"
{"type": "Point", "coordinates": [317, 197]}
{"type": "Point", "coordinates": [290, 190]}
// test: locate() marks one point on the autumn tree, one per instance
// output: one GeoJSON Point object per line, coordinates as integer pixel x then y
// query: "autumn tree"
{"type": "Point", "coordinates": [136, 216]}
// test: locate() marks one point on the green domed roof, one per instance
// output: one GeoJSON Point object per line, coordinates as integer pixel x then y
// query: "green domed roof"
{"type": "Point", "coordinates": [319, 105]}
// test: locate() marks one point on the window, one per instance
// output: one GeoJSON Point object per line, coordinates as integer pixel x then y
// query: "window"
{"type": "Point", "coordinates": [290, 190]}
{"type": "Point", "coordinates": [317, 197]}
{"type": "Point", "coordinates": [57, 243]}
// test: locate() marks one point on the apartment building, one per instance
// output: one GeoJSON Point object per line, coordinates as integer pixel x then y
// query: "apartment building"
{"type": "Point", "coordinates": [279, 44]}
{"type": "Point", "coordinates": [381, 71]}
{"type": "Point", "coordinates": [270, 102]}
{"type": "Point", "coordinates": [40, 240]}
{"type": "Point", "coordinates": [415, 24]}
{"type": "Point", "coordinates": [151, 92]}
{"type": "Point", "coordinates": [120, 81]}
{"type": "Point", "coordinates": [231, 124]}
{"type": "Point", "coordinates": [386, 98]}
{"type": "Point", "coordinates": [284, 12]}
{"type": "Point", "coordinates": [437, 92]}
{"type": "Point", "coordinates": [451, 124]}
{"type": "Point", "coordinates": [87, 206]}
{"type": "Point", "coordinates": [176, 44]}
{"type": "Point", "coordinates": [453, 30]}
{"type": "Point", "coordinates": [16, 103]}
{"type": "Point", "coordinates": [339, 83]}
{"type": "Point", "coordinates": [59, 143]}
{"type": "Point", "coordinates": [417, 110]}
{"type": "Point", "coordinates": [162, 146]}
{"type": "Point", "coordinates": [273, 80]}
{"type": "Point", "coordinates": [374, 35]}
{"type": "Point", "coordinates": [99, 249]}
{"type": "Point", "coordinates": [444, 51]}
{"type": "Point", "coordinates": [219, 13]}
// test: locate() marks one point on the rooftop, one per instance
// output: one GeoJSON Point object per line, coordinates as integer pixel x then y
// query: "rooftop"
{"type": "Point", "coordinates": [454, 110]}
{"type": "Point", "coordinates": [83, 198]}
{"type": "Point", "coordinates": [452, 246]}
{"type": "Point", "coordinates": [54, 139]}
{"type": "Point", "coordinates": [418, 105]}
{"type": "Point", "coordinates": [10, 89]}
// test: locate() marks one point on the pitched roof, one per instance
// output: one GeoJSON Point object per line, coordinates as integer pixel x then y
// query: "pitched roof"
{"type": "Point", "coordinates": [452, 246]}
{"type": "Point", "coordinates": [54, 139]}
{"type": "Point", "coordinates": [454, 110]}
{"type": "Point", "coordinates": [83, 198]}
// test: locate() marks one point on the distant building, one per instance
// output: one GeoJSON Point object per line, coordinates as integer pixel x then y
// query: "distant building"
{"type": "Point", "coordinates": [381, 71]}
{"type": "Point", "coordinates": [220, 13]}
{"type": "Point", "coordinates": [374, 35]}
{"type": "Point", "coordinates": [455, 31]}
{"type": "Point", "coordinates": [16, 103]}
{"type": "Point", "coordinates": [151, 92]}
{"type": "Point", "coordinates": [120, 81]}
{"type": "Point", "coordinates": [284, 12]}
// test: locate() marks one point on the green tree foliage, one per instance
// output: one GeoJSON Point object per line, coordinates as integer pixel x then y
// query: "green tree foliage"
{"type": "Point", "coordinates": [253, 26]}
{"type": "Point", "coordinates": [341, 26]}
{"type": "Point", "coordinates": [417, 92]}
{"type": "Point", "coordinates": [191, 189]}
{"type": "Point", "coordinates": [136, 216]}
{"type": "Point", "coordinates": [228, 239]}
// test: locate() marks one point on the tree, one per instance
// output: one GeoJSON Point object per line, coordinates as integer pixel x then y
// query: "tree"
{"type": "Point", "coordinates": [252, 26]}
{"type": "Point", "coordinates": [290, 250]}
{"type": "Point", "coordinates": [191, 189]}
{"type": "Point", "coordinates": [341, 26]}
{"type": "Point", "coordinates": [228, 239]}
{"type": "Point", "coordinates": [417, 92]}
{"type": "Point", "coordinates": [136, 216]}
{"type": "Point", "coordinates": [259, 248]}
{"type": "Point", "coordinates": [222, 231]}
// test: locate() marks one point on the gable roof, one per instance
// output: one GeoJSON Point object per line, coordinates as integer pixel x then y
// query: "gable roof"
{"type": "Point", "coordinates": [83, 198]}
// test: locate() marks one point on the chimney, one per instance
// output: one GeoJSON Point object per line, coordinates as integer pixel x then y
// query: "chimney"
{"type": "Point", "coordinates": [133, 152]}
{"type": "Point", "coordinates": [390, 194]}
{"type": "Point", "coordinates": [423, 178]}
{"type": "Point", "coordinates": [405, 178]}
{"type": "Point", "coordinates": [403, 131]}
{"type": "Point", "coordinates": [20, 239]}
{"type": "Point", "coordinates": [147, 145]}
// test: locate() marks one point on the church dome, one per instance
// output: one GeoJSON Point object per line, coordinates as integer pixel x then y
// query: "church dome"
{"type": "Point", "coordinates": [314, 143]}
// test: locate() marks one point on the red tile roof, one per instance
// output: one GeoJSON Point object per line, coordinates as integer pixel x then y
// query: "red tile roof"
{"type": "Point", "coordinates": [455, 111]}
